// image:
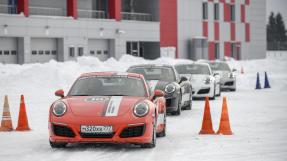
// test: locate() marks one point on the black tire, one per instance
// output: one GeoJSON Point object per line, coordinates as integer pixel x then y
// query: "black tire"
{"type": "Point", "coordinates": [152, 144]}
{"type": "Point", "coordinates": [219, 92]}
{"type": "Point", "coordinates": [55, 145]}
{"type": "Point", "coordinates": [178, 111]}
{"type": "Point", "coordinates": [163, 132]}
{"type": "Point", "coordinates": [213, 98]}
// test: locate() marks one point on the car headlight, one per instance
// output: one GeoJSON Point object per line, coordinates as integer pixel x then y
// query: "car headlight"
{"type": "Point", "coordinates": [207, 81]}
{"type": "Point", "coordinates": [141, 109]}
{"type": "Point", "coordinates": [170, 88]}
{"type": "Point", "coordinates": [59, 108]}
{"type": "Point", "coordinates": [231, 75]}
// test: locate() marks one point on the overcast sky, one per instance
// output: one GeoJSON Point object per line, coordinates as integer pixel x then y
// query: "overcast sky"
{"type": "Point", "coordinates": [277, 6]}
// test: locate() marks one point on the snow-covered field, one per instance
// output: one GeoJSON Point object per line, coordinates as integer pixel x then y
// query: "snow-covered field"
{"type": "Point", "coordinates": [258, 117]}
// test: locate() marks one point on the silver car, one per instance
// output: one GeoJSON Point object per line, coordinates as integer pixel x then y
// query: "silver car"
{"type": "Point", "coordinates": [227, 76]}
{"type": "Point", "coordinates": [204, 84]}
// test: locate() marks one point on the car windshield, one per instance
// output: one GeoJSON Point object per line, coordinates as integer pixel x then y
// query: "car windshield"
{"type": "Point", "coordinates": [193, 69]}
{"type": "Point", "coordinates": [155, 73]}
{"type": "Point", "coordinates": [108, 86]}
{"type": "Point", "coordinates": [217, 66]}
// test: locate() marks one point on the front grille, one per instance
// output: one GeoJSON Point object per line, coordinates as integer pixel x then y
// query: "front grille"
{"type": "Point", "coordinates": [134, 131]}
{"type": "Point", "coordinates": [229, 83]}
{"type": "Point", "coordinates": [203, 91]}
{"type": "Point", "coordinates": [97, 135]}
{"type": "Point", "coordinates": [64, 131]}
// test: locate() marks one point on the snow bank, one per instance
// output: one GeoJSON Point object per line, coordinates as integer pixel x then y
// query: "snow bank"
{"type": "Point", "coordinates": [258, 118]}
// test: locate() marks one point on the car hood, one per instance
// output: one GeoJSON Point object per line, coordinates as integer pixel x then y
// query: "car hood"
{"type": "Point", "coordinates": [222, 74]}
{"type": "Point", "coordinates": [198, 78]}
{"type": "Point", "coordinates": [157, 84]}
{"type": "Point", "coordinates": [101, 106]}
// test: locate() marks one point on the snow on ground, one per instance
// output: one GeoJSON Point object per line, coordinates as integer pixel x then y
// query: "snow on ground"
{"type": "Point", "coordinates": [258, 118]}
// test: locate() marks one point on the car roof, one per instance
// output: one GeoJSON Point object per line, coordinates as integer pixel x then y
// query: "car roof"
{"type": "Point", "coordinates": [112, 73]}
{"type": "Point", "coordinates": [196, 63]}
{"type": "Point", "coordinates": [151, 65]}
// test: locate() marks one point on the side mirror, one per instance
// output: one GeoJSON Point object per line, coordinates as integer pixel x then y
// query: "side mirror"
{"type": "Point", "coordinates": [158, 93]}
{"type": "Point", "coordinates": [234, 70]}
{"type": "Point", "coordinates": [60, 93]}
{"type": "Point", "coordinates": [183, 78]}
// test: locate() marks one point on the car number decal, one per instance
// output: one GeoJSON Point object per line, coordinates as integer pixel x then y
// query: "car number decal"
{"type": "Point", "coordinates": [113, 106]}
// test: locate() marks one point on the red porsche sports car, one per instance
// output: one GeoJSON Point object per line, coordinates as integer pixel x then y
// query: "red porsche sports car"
{"type": "Point", "coordinates": [108, 107]}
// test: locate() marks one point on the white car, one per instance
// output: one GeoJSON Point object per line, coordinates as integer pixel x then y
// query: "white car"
{"type": "Point", "coordinates": [204, 84]}
{"type": "Point", "coordinates": [227, 76]}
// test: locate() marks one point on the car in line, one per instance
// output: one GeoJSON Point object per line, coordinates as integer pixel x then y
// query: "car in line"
{"type": "Point", "coordinates": [108, 107]}
{"type": "Point", "coordinates": [204, 84]}
{"type": "Point", "coordinates": [227, 75]}
{"type": "Point", "coordinates": [178, 90]}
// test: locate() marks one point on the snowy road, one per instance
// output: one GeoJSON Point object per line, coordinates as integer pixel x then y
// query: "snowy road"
{"type": "Point", "coordinates": [258, 118]}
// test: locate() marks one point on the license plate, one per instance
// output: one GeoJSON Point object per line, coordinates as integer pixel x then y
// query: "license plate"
{"type": "Point", "coordinates": [96, 129]}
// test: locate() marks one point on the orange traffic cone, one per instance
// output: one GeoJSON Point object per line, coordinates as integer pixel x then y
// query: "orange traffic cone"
{"type": "Point", "coordinates": [206, 122]}
{"type": "Point", "coordinates": [22, 119]}
{"type": "Point", "coordinates": [6, 123]}
{"type": "Point", "coordinates": [224, 126]}
{"type": "Point", "coordinates": [242, 70]}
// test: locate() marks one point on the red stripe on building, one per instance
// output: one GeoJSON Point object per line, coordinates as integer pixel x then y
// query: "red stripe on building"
{"type": "Point", "coordinates": [222, 1]}
{"type": "Point", "coordinates": [247, 32]}
{"type": "Point", "coordinates": [115, 9]}
{"type": "Point", "coordinates": [205, 29]}
{"type": "Point", "coordinates": [232, 1]}
{"type": "Point", "coordinates": [211, 50]}
{"type": "Point", "coordinates": [23, 7]}
{"type": "Point", "coordinates": [242, 9]}
{"type": "Point", "coordinates": [216, 31]}
{"type": "Point", "coordinates": [227, 49]}
{"type": "Point", "coordinates": [247, 2]}
{"type": "Point", "coordinates": [232, 31]}
{"type": "Point", "coordinates": [168, 24]}
{"type": "Point", "coordinates": [72, 8]}
{"type": "Point", "coordinates": [227, 14]}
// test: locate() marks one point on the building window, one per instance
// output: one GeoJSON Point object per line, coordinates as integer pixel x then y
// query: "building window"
{"type": "Point", "coordinates": [92, 52]}
{"type": "Point", "coordinates": [106, 52]}
{"type": "Point", "coordinates": [34, 52]}
{"type": "Point", "coordinates": [216, 11]}
{"type": "Point", "coordinates": [0, 52]}
{"type": "Point", "coordinates": [13, 52]}
{"type": "Point", "coordinates": [80, 51]}
{"type": "Point", "coordinates": [233, 50]}
{"type": "Point", "coordinates": [232, 13]}
{"type": "Point", "coordinates": [41, 52]}
{"type": "Point", "coordinates": [205, 10]}
{"type": "Point", "coordinates": [47, 52]}
{"type": "Point", "coordinates": [72, 51]}
{"type": "Point", "coordinates": [217, 51]}
{"type": "Point", "coordinates": [54, 52]}
{"type": "Point", "coordinates": [99, 52]}
{"type": "Point", "coordinates": [6, 52]}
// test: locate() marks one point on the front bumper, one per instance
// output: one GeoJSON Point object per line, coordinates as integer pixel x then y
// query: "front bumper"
{"type": "Point", "coordinates": [118, 135]}
{"type": "Point", "coordinates": [202, 90]}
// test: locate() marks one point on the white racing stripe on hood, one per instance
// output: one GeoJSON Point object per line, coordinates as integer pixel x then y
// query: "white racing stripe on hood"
{"type": "Point", "coordinates": [113, 106]}
{"type": "Point", "coordinates": [152, 84]}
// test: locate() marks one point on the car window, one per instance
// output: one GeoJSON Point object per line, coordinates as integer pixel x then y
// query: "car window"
{"type": "Point", "coordinates": [109, 86]}
{"type": "Point", "coordinates": [217, 66]}
{"type": "Point", "coordinates": [155, 73]}
{"type": "Point", "coordinates": [193, 69]}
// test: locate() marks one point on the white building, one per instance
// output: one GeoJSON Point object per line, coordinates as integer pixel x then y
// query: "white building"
{"type": "Point", "coordinates": [41, 30]}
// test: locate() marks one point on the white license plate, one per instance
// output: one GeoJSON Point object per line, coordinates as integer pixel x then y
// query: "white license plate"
{"type": "Point", "coordinates": [96, 129]}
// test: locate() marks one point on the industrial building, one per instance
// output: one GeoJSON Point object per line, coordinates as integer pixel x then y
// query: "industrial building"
{"type": "Point", "coordinates": [41, 30]}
